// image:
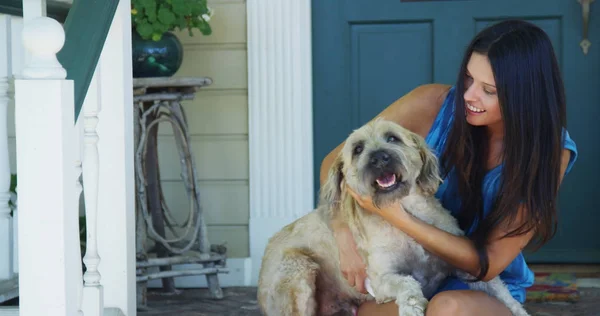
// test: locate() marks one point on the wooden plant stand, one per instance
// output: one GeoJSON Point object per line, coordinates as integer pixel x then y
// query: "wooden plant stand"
{"type": "Point", "coordinates": [159, 100]}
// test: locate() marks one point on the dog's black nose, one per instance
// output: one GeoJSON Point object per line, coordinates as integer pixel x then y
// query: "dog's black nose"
{"type": "Point", "coordinates": [379, 159]}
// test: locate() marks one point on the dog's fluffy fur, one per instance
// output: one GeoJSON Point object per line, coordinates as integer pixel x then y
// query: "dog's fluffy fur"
{"type": "Point", "coordinates": [300, 272]}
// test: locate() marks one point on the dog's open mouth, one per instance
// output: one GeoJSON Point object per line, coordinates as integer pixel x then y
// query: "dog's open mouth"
{"type": "Point", "coordinates": [387, 182]}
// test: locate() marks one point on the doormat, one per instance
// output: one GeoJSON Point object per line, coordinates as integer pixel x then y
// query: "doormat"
{"type": "Point", "coordinates": [553, 287]}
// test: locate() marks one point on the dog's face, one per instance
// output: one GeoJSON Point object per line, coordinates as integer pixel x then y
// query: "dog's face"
{"type": "Point", "coordinates": [385, 161]}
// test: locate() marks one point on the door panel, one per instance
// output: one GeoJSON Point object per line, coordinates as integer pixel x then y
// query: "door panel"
{"type": "Point", "coordinates": [375, 48]}
{"type": "Point", "coordinates": [367, 56]}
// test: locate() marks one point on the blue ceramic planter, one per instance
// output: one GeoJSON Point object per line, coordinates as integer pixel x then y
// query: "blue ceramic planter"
{"type": "Point", "coordinates": [156, 58]}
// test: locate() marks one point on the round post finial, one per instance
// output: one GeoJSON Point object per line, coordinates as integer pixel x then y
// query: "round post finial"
{"type": "Point", "coordinates": [43, 37]}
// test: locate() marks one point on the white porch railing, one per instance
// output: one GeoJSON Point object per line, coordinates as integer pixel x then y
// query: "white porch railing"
{"type": "Point", "coordinates": [8, 216]}
{"type": "Point", "coordinates": [52, 152]}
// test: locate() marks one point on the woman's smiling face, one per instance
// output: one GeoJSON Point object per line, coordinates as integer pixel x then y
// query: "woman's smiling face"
{"type": "Point", "coordinates": [481, 99]}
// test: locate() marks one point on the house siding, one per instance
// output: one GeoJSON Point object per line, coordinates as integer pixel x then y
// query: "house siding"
{"type": "Point", "coordinates": [218, 126]}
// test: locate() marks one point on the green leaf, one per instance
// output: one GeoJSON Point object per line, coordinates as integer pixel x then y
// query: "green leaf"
{"type": "Point", "coordinates": [182, 22]}
{"type": "Point", "coordinates": [137, 6]}
{"type": "Point", "coordinates": [198, 9]}
{"type": "Point", "coordinates": [138, 19]}
{"type": "Point", "coordinates": [145, 30]}
{"type": "Point", "coordinates": [181, 7]}
{"type": "Point", "coordinates": [165, 16]}
{"type": "Point", "coordinates": [204, 27]}
{"type": "Point", "coordinates": [160, 28]}
{"type": "Point", "coordinates": [151, 13]}
{"type": "Point", "coordinates": [152, 17]}
{"type": "Point", "coordinates": [148, 4]}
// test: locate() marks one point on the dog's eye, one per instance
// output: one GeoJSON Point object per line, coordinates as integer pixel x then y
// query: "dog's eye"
{"type": "Point", "coordinates": [392, 139]}
{"type": "Point", "coordinates": [358, 149]}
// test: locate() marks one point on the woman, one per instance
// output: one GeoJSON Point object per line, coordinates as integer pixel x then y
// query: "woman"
{"type": "Point", "coordinates": [505, 126]}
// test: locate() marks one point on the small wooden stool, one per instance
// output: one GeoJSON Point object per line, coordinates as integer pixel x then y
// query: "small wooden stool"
{"type": "Point", "coordinates": [159, 100]}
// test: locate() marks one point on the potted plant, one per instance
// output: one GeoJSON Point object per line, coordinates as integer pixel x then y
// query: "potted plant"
{"type": "Point", "coordinates": [156, 51]}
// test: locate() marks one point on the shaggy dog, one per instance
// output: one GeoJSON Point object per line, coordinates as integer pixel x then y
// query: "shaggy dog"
{"type": "Point", "coordinates": [300, 272]}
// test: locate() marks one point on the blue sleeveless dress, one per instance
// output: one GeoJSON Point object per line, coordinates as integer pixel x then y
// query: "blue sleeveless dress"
{"type": "Point", "coordinates": [517, 274]}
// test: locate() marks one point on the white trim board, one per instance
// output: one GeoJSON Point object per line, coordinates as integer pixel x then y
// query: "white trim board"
{"type": "Point", "coordinates": [9, 311]}
{"type": "Point", "coordinates": [239, 275]}
{"type": "Point", "coordinates": [279, 118]}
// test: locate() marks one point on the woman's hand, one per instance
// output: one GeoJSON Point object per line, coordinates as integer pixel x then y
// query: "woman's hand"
{"type": "Point", "coordinates": [388, 212]}
{"type": "Point", "coordinates": [351, 263]}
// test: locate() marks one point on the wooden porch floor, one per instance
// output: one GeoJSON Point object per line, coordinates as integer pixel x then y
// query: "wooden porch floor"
{"type": "Point", "coordinates": [241, 301]}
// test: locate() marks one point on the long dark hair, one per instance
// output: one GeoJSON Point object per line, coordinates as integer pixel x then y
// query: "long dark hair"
{"type": "Point", "coordinates": [532, 101]}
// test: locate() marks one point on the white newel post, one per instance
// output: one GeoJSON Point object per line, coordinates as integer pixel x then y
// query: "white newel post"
{"type": "Point", "coordinates": [46, 151]}
{"type": "Point", "coordinates": [6, 222]}
{"type": "Point", "coordinates": [116, 195]}
{"type": "Point", "coordinates": [280, 118]}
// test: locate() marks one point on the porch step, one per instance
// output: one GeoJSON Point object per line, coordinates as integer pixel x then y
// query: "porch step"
{"type": "Point", "coordinates": [14, 311]}
{"type": "Point", "coordinates": [113, 312]}
{"type": "Point", "coordinates": [581, 270]}
{"type": "Point", "coordinates": [9, 289]}
{"type": "Point", "coordinates": [588, 282]}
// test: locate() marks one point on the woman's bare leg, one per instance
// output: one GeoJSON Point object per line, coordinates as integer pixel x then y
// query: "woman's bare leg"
{"type": "Point", "coordinates": [447, 303]}
{"type": "Point", "coordinates": [465, 302]}
{"type": "Point", "coordinates": [371, 308]}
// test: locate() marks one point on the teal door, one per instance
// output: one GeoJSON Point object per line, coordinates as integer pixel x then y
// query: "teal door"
{"type": "Point", "coordinates": [366, 54]}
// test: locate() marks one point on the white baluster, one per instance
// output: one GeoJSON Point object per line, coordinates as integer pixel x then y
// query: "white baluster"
{"type": "Point", "coordinates": [92, 290]}
{"type": "Point", "coordinates": [6, 227]}
{"type": "Point", "coordinates": [79, 132]}
{"type": "Point", "coordinates": [15, 225]}
{"type": "Point", "coordinates": [90, 193]}
{"type": "Point", "coordinates": [78, 190]}
{"type": "Point", "coordinates": [18, 57]}
{"type": "Point", "coordinates": [48, 227]}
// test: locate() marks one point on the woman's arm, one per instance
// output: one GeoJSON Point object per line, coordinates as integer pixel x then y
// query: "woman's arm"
{"type": "Point", "coordinates": [459, 251]}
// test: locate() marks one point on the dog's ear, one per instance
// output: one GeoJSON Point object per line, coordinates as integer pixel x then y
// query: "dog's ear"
{"type": "Point", "coordinates": [429, 176]}
{"type": "Point", "coordinates": [331, 191]}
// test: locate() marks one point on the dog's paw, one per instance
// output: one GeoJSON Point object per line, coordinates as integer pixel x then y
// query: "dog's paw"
{"type": "Point", "coordinates": [518, 310]}
{"type": "Point", "coordinates": [412, 306]}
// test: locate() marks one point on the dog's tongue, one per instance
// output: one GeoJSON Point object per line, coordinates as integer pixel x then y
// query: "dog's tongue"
{"type": "Point", "coordinates": [387, 180]}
